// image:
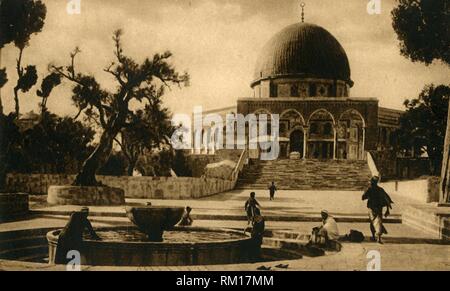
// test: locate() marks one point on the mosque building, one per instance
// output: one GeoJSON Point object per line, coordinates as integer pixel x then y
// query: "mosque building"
{"type": "Point", "coordinates": [303, 75]}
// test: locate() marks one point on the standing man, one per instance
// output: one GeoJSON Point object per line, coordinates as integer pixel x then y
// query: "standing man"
{"type": "Point", "coordinates": [377, 199]}
{"type": "Point", "coordinates": [272, 190]}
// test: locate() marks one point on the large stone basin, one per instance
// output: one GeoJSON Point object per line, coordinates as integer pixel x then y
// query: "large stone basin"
{"type": "Point", "coordinates": [182, 246]}
{"type": "Point", "coordinates": [154, 220]}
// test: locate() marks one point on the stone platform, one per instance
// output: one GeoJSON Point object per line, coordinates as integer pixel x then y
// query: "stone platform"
{"type": "Point", "coordinates": [75, 195]}
{"type": "Point", "coordinates": [429, 218]}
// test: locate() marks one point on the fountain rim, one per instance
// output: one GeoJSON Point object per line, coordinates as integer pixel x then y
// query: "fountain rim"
{"type": "Point", "coordinates": [52, 237]}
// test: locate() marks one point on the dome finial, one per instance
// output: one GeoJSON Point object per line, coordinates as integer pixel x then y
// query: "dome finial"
{"type": "Point", "coordinates": [303, 10]}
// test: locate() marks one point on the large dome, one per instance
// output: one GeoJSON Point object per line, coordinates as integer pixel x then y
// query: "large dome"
{"type": "Point", "coordinates": [303, 50]}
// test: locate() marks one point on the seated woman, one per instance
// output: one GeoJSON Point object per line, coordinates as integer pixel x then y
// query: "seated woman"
{"type": "Point", "coordinates": [327, 232]}
{"type": "Point", "coordinates": [186, 220]}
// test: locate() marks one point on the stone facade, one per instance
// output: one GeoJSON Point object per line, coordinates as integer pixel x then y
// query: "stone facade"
{"type": "Point", "coordinates": [321, 127]}
{"type": "Point", "coordinates": [134, 187]}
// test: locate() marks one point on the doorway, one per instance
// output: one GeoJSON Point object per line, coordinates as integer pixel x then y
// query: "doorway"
{"type": "Point", "coordinates": [296, 140]}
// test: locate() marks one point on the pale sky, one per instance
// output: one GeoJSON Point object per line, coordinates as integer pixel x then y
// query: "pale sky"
{"type": "Point", "coordinates": [217, 42]}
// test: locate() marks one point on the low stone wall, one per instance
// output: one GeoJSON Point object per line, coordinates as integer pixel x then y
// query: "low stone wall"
{"type": "Point", "coordinates": [422, 190]}
{"type": "Point", "coordinates": [134, 187]}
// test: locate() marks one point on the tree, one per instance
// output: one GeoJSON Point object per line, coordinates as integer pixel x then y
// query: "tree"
{"type": "Point", "coordinates": [423, 126]}
{"type": "Point", "coordinates": [149, 129]}
{"type": "Point", "coordinates": [423, 29]}
{"type": "Point", "coordinates": [54, 145]}
{"type": "Point", "coordinates": [19, 20]}
{"type": "Point", "coordinates": [110, 110]}
{"type": "Point", "coordinates": [9, 138]}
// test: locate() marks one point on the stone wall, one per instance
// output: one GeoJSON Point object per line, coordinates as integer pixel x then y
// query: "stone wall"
{"type": "Point", "coordinates": [421, 190]}
{"type": "Point", "coordinates": [391, 167]}
{"type": "Point", "coordinates": [134, 187]}
{"type": "Point", "coordinates": [197, 163]}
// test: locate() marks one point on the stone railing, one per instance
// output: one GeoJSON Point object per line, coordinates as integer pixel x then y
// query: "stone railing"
{"type": "Point", "coordinates": [243, 159]}
{"type": "Point", "coordinates": [372, 165]}
{"type": "Point", "coordinates": [134, 187]}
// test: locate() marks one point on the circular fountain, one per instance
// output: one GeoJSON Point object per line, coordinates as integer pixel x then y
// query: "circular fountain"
{"type": "Point", "coordinates": [155, 241]}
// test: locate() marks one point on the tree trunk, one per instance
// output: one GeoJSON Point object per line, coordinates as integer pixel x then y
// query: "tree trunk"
{"type": "Point", "coordinates": [445, 173]}
{"type": "Point", "coordinates": [131, 166]}
{"type": "Point", "coordinates": [86, 177]}
{"type": "Point", "coordinates": [16, 101]}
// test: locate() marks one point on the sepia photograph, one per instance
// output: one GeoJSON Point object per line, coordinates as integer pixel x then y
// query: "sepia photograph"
{"type": "Point", "coordinates": [209, 137]}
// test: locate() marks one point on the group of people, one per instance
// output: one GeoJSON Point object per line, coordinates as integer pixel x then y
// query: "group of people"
{"type": "Point", "coordinates": [71, 237]}
{"type": "Point", "coordinates": [377, 201]}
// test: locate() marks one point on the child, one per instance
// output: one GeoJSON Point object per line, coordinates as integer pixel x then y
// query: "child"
{"type": "Point", "coordinates": [272, 190]}
{"type": "Point", "coordinates": [186, 220]}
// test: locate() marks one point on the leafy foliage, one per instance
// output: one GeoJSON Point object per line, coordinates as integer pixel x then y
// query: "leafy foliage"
{"type": "Point", "coordinates": [54, 145]}
{"type": "Point", "coordinates": [423, 126]}
{"type": "Point", "coordinates": [148, 130]}
{"type": "Point", "coordinates": [27, 79]}
{"type": "Point", "coordinates": [48, 83]}
{"type": "Point", "coordinates": [423, 29]}
{"type": "Point", "coordinates": [19, 20]}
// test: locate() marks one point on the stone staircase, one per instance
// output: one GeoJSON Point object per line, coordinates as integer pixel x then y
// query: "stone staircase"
{"type": "Point", "coordinates": [305, 175]}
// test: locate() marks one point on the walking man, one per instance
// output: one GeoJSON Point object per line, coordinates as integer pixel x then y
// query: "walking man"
{"type": "Point", "coordinates": [377, 199]}
{"type": "Point", "coordinates": [272, 190]}
{"type": "Point", "coordinates": [251, 206]}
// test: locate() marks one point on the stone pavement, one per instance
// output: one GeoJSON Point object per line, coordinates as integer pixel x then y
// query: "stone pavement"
{"type": "Point", "coordinates": [404, 249]}
{"type": "Point", "coordinates": [291, 204]}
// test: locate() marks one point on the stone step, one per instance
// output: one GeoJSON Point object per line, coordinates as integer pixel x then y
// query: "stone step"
{"type": "Point", "coordinates": [430, 219]}
{"type": "Point", "coordinates": [305, 175]}
{"type": "Point", "coordinates": [17, 253]}
{"type": "Point", "coordinates": [275, 254]}
{"type": "Point", "coordinates": [22, 242]}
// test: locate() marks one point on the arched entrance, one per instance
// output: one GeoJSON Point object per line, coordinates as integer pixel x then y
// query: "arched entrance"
{"type": "Point", "coordinates": [296, 142]}
{"type": "Point", "coordinates": [351, 136]}
{"type": "Point", "coordinates": [321, 135]}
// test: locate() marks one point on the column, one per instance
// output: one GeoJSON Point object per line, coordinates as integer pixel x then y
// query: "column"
{"type": "Point", "coordinates": [363, 143]}
{"type": "Point", "coordinates": [305, 141]}
{"type": "Point", "coordinates": [334, 143]}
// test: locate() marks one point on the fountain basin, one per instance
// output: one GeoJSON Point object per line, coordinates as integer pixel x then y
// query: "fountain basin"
{"type": "Point", "coordinates": [154, 220]}
{"type": "Point", "coordinates": [181, 246]}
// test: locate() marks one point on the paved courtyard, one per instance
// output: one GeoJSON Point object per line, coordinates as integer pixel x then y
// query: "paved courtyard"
{"type": "Point", "coordinates": [297, 211]}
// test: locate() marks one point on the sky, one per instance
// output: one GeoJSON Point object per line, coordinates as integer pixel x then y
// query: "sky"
{"type": "Point", "coordinates": [217, 42]}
